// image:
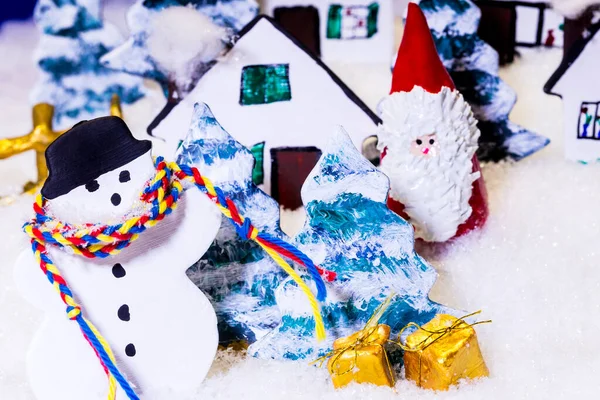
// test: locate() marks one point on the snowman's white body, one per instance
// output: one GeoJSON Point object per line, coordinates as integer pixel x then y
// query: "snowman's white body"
{"type": "Point", "coordinates": [171, 323]}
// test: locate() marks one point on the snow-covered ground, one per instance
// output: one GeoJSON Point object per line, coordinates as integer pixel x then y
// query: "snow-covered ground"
{"type": "Point", "coordinates": [534, 269]}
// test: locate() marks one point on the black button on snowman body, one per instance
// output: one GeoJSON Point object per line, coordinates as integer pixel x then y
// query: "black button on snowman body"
{"type": "Point", "coordinates": [118, 271]}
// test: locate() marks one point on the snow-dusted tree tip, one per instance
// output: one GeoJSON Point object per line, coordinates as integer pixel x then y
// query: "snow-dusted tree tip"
{"type": "Point", "coordinates": [206, 125]}
{"type": "Point", "coordinates": [223, 158]}
{"type": "Point", "coordinates": [342, 168]}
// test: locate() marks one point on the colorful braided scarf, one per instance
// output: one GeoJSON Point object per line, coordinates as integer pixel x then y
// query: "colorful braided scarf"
{"type": "Point", "coordinates": [161, 193]}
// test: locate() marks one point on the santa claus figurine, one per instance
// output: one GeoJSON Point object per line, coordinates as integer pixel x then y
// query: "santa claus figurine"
{"type": "Point", "coordinates": [428, 140]}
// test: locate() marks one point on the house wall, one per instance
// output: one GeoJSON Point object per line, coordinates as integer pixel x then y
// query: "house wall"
{"type": "Point", "coordinates": [317, 106]}
{"type": "Point", "coordinates": [377, 49]}
{"type": "Point", "coordinates": [586, 150]}
{"type": "Point", "coordinates": [529, 21]}
{"type": "Point", "coordinates": [580, 84]}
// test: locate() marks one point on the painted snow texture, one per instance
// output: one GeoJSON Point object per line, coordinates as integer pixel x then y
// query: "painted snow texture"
{"type": "Point", "coordinates": [236, 275]}
{"type": "Point", "coordinates": [73, 38]}
{"type": "Point", "coordinates": [473, 65]}
{"type": "Point", "coordinates": [136, 55]}
{"type": "Point", "coordinates": [351, 231]}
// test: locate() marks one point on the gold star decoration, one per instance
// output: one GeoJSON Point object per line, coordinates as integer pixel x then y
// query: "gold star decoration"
{"type": "Point", "coordinates": [40, 138]}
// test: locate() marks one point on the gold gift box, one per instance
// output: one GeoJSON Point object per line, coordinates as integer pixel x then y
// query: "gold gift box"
{"type": "Point", "coordinates": [361, 358]}
{"type": "Point", "coordinates": [447, 353]}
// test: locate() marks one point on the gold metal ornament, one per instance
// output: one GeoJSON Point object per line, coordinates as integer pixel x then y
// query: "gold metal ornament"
{"type": "Point", "coordinates": [115, 106]}
{"type": "Point", "coordinates": [38, 140]}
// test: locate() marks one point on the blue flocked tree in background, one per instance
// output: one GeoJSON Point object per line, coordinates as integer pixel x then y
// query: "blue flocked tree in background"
{"type": "Point", "coordinates": [235, 273]}
{"type": "Point", "coordinates": [473, 65]}
{"type": "Point", "coordinates": [73, 38]}
{"type": "Point", "coordinates": [186, 33]}
{"type": "Point", "coordinates": [350, 231]}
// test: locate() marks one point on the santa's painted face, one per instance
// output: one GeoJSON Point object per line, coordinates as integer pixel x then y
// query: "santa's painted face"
{"type": "Point", "coordinates": [107, 198]}
{"type": "Point", "coordinates": [425, 146]}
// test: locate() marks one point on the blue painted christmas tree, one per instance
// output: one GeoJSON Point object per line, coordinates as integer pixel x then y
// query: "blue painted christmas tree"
{"type": "Point", "coordinates": [350, 231]}
{"type": "Point", "coordinates": [73, 39]}
{"type": "Point", "coordinates": [174, 42]}
{"type": "Point", "coordinates": [473, 65]}
{"type": "Point", "coordinates": [237, 276]}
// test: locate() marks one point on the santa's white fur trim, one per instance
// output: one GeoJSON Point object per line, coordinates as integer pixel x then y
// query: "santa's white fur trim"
{"type": "Point", "coordinates": [436, 189]}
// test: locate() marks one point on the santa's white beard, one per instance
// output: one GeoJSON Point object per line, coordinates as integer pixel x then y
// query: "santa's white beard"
{"type": "Point", "coordinates": [436, 197]}
{"type": "Point", "coordinates": [435, 187]}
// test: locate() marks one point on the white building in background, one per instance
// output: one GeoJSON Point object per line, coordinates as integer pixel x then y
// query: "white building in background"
{"type": "Point", "coordinates": [538, 24]}
{"type": "Point", "coordinates": [576, 82]}
{"type": "Point", "coordinates": [271, 90]}
{"type": "Point", "coordinates": [339, 30]}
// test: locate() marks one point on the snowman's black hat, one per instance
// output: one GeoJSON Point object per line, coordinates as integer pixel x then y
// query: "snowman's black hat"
{"type": "Point", "coordinates": [88, 150]}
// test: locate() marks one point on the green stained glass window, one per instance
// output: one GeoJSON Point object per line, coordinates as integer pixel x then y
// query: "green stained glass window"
{"type": "Point", "coordinates": [352, 22]}
{"type": "Point", "coordinates": [372, 19]}
{"type": "Point", "coordinates": [334, 22]}
{"type": "Point", "coordinates": [258, 173]}
{"type": "Point", "coordinates": [264, 84]}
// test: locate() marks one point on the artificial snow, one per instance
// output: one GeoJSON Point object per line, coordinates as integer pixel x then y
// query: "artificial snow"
{"type": "Point", "coordinates": [169, 40]}
{"type": "Point", "coordinates": [534, 269]}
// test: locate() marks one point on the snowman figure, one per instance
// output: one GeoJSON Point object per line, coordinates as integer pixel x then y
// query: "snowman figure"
{"type": "Point", "coordinates": [161, 328]}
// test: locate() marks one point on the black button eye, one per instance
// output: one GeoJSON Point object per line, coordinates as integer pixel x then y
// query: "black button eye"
{"type": "Point", "coordinates": [124, 176]}
{"type": "Point", "coordinates": [419, 142]}
{"type": "Point", "coordinates": [431, 141]}
{"type": "Point", "coordinates": [92, 186]}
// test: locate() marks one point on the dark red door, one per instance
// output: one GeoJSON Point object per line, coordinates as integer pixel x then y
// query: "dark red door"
{"type": "Point", "coordinates": [498, 27]}
{"type": "Point", "coordinates": [303, 24]}
{"type": "Point", "coordinates": [290, 167]}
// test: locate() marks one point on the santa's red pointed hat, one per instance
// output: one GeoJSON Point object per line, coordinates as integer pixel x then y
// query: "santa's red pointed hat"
{"type": "Point", "coordinates": [418, 63]}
